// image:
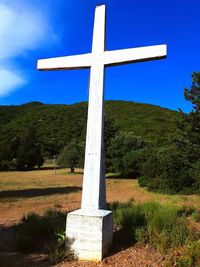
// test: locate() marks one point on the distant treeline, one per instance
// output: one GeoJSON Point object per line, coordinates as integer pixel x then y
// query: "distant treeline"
{"type": "Point", "coordinates": [57, 125]}
{"type": "Point", "coordinates": [159, 146]}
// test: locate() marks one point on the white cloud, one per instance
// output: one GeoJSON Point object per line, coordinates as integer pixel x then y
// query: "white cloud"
{"type": "Point", "coordinates": [22, 28]}
{"type": "Point", "coordinates": [9, 81]}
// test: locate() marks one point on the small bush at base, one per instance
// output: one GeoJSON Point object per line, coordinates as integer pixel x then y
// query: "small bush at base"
{"type": "Point", "coordinates": [34, 230]}
{"type": "Point", "coordinates": [44, 234]}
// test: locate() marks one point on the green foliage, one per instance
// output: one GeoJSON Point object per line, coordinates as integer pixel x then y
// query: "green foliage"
{"type": "Point", "coordinates": [29, 153]}
{"type": "Point", "coordinates": [142, 235]}
{"type": "Point", "coordinates": [188, 256]}
{"type": "Point", "coordinates": [5, 152]}
{"type": "Point", "coordinates": [5, 165]}
{"type": "Point", "coordinates": [44, 234]}
{"type": "Point", "coordinates": [148, 121]}
{"type": "Point", "coordinates": [126, 153]}
{"type": "Point", "coordinates": [57, 125]}
{"type": "Point", "coordinates": [167, 170]}
{"type": "Point", "coordinates": [143, 181]}
{"type": "Point", "coordinates": [196, 216]}
{"type": "Point", "coordinates": [193, 94]}
{"type": "Point", "coordinates": [34, 230]}
{"type": "Point", "coordinates": [162, 226]}
{"type": "Point", "coordinates": [186, 210]}
{"type": "Point", "coordinates": [187, 138]}
{"type": "Point", "coordinates": [175, 168]}
{"type": "Point", "coordinates": [195, 173]}
{"type": "Point", "coordinates": [110, 132]}
{"type": "Point", "coordinates": [150, 167]}
{"type": "Point", "coordinates": [163, 219]}
{"type": "Point", "coordinates": [70, 156]}
{"type": "Point", "coordinates": [129, 216]}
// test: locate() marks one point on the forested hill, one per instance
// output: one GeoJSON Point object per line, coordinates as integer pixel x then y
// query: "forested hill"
{"type": "Point", "coordinates": [57, 124]}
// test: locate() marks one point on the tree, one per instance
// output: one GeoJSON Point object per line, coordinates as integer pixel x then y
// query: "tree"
{"type": "Point", "coordinates": [8, 153]}
{"type": "Point", "coordinates": [70, 156]}
{"type": "Point", "coordinates": [14, 145]}
{"type": "Point", "coordinates": [29, 153]}
{"type": "Point", "coordinates": [193, 94]}
{"type": "Point", "coordinates": [175, 168]}
{"type": "Point", "coordinates": [73, 154]}
{"type": "Point", "coordinates": [187, 137]}
{"type": "Point", "coordinates": [110, 132]}
{"type": "Point", "coordinates": [126, 152]}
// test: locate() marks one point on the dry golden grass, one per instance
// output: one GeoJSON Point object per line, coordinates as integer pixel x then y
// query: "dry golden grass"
{"type": "Point", "coordinates": [23, 192]}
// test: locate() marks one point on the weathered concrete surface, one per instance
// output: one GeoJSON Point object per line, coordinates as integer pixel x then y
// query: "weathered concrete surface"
{"type": "Point", "coordinates": [89, 234]}
{"type": "Point", "coordinates": [94, 191]}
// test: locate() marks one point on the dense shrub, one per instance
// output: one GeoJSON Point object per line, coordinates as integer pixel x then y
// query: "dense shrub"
{"type": "Point", "coordinates": [143, 181]}
{"type": "Point", "coordinates": [162, 226]}
{"type": "Point", "coordinates": [44, 234]}
{"type": "Point", "coordinates": [171, 172]}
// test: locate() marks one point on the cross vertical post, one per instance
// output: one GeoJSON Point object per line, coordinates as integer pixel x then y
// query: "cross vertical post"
{"type": "Point", "coordinates": [89, 230]}
{"type": "Point", "coordinates": [93, 194]}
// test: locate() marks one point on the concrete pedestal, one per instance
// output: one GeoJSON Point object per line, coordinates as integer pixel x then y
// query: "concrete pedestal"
{"type": "Point", "coordinates": [89, 233]}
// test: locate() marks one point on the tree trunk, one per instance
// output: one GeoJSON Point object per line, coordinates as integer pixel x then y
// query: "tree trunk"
{"type": "Point", "coordinates": [72, 169]}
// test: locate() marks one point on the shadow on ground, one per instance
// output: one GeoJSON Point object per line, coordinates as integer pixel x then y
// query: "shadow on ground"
{"type": "Point", "coordinates": [36, 192]}
{"type": "Point", "coordinates": [31, 242]}
{"type": "Point", "coordinates": [121, 241]}
{"type": "Point", "coordinates": [9, 256]}
{"type": "Point", "coordinates": [120, 176]}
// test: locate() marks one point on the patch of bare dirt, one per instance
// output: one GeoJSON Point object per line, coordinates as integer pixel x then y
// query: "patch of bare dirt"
{"type": "Point", "coordinates": [131, 257]}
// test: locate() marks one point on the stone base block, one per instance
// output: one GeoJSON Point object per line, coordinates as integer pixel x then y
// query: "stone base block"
{"type": "Point", "coordinates": [89, 233]}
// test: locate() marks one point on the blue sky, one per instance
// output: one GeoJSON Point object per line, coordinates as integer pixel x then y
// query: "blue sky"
{"type": "Point", "coordinates": [30, 30]}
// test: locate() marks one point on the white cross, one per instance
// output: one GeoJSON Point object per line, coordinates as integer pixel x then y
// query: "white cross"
{"type": "Point", "coordinates": [93, 195]}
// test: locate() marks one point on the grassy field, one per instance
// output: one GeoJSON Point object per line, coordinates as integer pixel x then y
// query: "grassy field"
{"type": "Point", "coordinates": [24, 192]}
{"type": "Point", "coordinates": [41, 190]}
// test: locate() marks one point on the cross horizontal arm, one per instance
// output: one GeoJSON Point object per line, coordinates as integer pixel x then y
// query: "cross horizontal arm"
{"type": "Point", "coordinates": [65, 63]}
{"type": "Point", "coordinates": [124, 56]}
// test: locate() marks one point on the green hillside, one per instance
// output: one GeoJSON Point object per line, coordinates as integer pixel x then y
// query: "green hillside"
{"type": "Point", "coordinates": [57, 124]}
{"type": "Point", "coordinates": [147, 121]}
